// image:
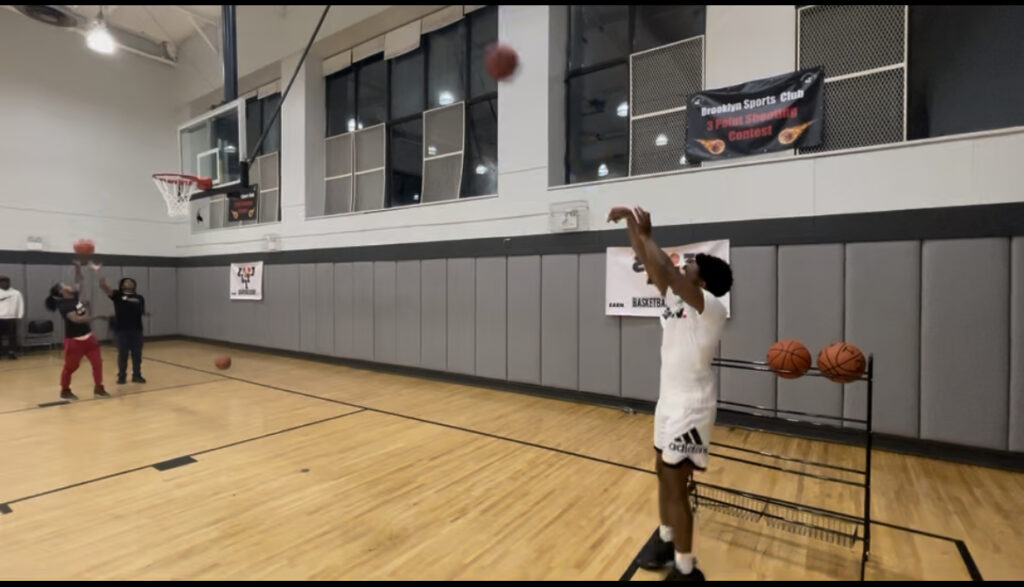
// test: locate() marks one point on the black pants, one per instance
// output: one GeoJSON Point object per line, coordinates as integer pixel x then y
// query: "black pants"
{"type": "Point", "coordinates": [8, 337]}
{"type": "Point", "coordinates": [129, 341]}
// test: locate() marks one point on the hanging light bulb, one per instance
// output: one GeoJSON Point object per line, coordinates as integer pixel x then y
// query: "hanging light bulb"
{"type": "Point", "coordinates": [99, 38]}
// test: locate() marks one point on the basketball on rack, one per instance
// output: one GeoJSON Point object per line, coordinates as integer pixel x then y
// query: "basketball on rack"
{"type": "Point", "coordinates": [841, 362]}
{"type": "Point", "coordinates": [84, 248]}
{"type": "Point", "coordinates": [789, 358]}
{"type": "Point", "coordinates": [500, 60]}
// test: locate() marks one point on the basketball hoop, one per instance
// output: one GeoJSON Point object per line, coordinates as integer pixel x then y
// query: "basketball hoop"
{"type": "Point", "coordinates": [177, 189]}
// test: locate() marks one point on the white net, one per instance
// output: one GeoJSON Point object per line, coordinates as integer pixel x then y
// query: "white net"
{"type": "Point", "coordinates": [176, 189]}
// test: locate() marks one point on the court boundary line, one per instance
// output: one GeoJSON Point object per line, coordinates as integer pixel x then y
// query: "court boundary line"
{"type": "Point", "coordinates": [7, 504]}
{"type": "Point", "coordinates": [65, 402]}
{"type": "Point", "coordinates": [945, 452]}
{"type": "Point", "coordinates": [963, 550]}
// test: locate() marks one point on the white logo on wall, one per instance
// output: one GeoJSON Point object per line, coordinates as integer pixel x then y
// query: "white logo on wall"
{"type": "Point", "coordinates": [247, 281]}
{"type": "Point", "coordinates": [628, 291]}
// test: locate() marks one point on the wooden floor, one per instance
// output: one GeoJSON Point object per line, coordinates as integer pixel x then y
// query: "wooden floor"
{"type": "Point", "coordinates": [306, 470]}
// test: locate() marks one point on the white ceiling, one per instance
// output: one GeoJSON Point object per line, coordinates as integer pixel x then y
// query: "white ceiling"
{"type": "Point", "coordinates": [161, 23]}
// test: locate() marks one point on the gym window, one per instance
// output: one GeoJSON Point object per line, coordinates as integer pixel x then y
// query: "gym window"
{"type": "Point", "coordinates": [629, 72]}
{"type": "Point", "coordinates": [415, 122]}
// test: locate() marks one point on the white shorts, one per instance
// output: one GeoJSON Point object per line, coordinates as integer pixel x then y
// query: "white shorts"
{"type": "Point", "coordinates": [683, 432]}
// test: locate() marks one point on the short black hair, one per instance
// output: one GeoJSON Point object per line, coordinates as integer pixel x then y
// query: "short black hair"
{"type": "Point", "coordinates": [55, 295]}
{"type": "Point", "coordinates": [120, 284]}
{"type": "Point", "coordinates": [716, 273]}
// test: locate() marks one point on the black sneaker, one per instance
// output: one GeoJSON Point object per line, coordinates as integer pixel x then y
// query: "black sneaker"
{"type": "Point", "coordinates": [66, 394]}
{"type": "Point", "coordinates": [98, 391]}
{"type": "Point", "coordinates": [656, 553]}
{"type": "Point", "coordinates": [138, 379]}
{"type": "Point", "coordinates": [676, 575]}
{"type": "Point", "coordinates": [121, 380]}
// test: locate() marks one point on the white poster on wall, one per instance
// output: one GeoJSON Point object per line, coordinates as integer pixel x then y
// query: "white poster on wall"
{"type": "Point", "coordinates": [628, 290]}
{"type": "Point", "coordinates": [247, 281]}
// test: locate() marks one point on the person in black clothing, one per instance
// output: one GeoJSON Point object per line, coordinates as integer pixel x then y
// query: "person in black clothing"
{"type": "Point", "coordinates": [129, 308]}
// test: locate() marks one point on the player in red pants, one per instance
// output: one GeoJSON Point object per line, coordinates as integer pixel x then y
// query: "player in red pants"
{"type": "Point", "coordinates": [79, 339]}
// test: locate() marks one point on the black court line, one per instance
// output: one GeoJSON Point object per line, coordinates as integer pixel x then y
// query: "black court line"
{"type": "Point", "coordinates": [155, 465]}
{"type": "Point", "coordinates": [627, 575]}
{"type": "Point", "coordinates": [62, 402]}
{"type": "Point", "coordinates": [633, 566]}
{"type": "Point", "coordinates": [421, 420]}
{"type": "Point", "coordinates": [114, 396]}
{"type": "Point", "coordinates": [969, 561]}
{"type": "Point", "coordinates": [174, 463]}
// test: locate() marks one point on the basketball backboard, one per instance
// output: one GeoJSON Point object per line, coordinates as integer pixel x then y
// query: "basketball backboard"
{"type": "Point", "coordinates": [212, 144]}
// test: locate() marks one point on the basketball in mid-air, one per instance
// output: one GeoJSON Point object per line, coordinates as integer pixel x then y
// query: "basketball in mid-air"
{"type": "Point", "coordinates": [500, 60]}
{"type": "Point", "coordinates": [84, 248]}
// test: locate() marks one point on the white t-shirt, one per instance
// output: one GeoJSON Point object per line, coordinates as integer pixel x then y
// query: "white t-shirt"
{"type": "Point", "coordinates": [689, 341]}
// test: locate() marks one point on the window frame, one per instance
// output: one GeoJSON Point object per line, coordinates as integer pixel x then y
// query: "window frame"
{"type": "Point", "coordinates": [572, 73]}
{"type": "Point", "coordinates": [390, 120]}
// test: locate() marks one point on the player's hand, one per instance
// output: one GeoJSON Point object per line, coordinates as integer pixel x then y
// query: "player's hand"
{"type": "Point", "coordinates": [618, 213]}
{"type": "Point", "coordinates": [95, 267]}
{"type": "Point", "coordinates": [643, 220]}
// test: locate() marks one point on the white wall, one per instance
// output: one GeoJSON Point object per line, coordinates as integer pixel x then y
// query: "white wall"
{"type": "Point", "coordinates": [80, 136]}
{"type": "Point", "coordinates": [747, 43]}
{"type": "Point", "coordinates": [265, 35]}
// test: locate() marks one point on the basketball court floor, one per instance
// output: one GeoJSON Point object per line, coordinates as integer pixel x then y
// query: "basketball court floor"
{"type": "Point", "coordinates": [286, 468]}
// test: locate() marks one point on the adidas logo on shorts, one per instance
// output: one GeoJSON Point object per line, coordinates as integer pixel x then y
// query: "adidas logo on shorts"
{"type": "Point", "coordinates": [689, 443]}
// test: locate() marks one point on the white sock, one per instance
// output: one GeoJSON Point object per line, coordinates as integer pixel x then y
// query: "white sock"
{"type": "Point", "coordinates": [665, 532]}
{"type": "Point", "coordinates": [684, 562]}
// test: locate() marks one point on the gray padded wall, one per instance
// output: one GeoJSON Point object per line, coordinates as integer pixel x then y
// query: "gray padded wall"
{"type": "Point", "coordinates": [215, 296]}
{"type": "Point", "coordinates": [344, 296]}
{"type": "Point", "coordinates": [433, 314]}
{"type": "Point", "coordinates": [384, 322]}
{"type": "Point", "coordinates": [523, 304]}
{"type": "Point", "coordinates": [641, 357]}
{"type": "Point", "coordinates": [362, 310]}
{"type": "Point", "coordinates": [559, 332]}
{"type": "Point", "coordinates": [599, 351]}
{"type": "Point", "coordinates": [883, 317]}
{"type": "Point", "coordinates": [462, 315]}
{"type": "Point", "coordinates": [965, 314]}
{"type": "Point", "coordinates": [281, 299]}
{"type": "Point", "coordinates": [162, 301]}
{"type": "Point", "coordinates": [1017, 347]}
{"type": "Point", "coordinates": [324, 309]}
{"type": "Point", "coordinates": [811, 310]}
{"type": "Point", "coordinates": [751, 327]}
{"type": "Point", "coordinates": [407, 313]}
{"type": "Point", "coordinates": [491, 317]}
{"type": "Point", "coordinates": [307, 308]}
{"type": "Point", "coordinates": [186, 303]}
{"type": "Point", "coordinates": [16, 271]}
{"type": "Point", "coordinates": [940, 318]}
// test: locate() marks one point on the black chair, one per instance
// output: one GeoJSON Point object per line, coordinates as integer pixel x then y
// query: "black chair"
{"type": "Point", "coordinates": [39, 333]}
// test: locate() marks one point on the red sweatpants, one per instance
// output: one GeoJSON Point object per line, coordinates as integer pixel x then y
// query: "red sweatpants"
{"type": "Point", "coordinates": [74, 350]}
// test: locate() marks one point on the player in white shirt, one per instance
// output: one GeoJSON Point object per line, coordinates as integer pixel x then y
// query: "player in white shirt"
{"type": "Point", "coordinates": [692, 326]}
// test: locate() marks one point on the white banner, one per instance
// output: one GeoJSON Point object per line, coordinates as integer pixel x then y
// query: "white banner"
{"type": "Point", "coordinates": [247, 281]}
{"type": "Point", "coordinates": [627, 291]}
